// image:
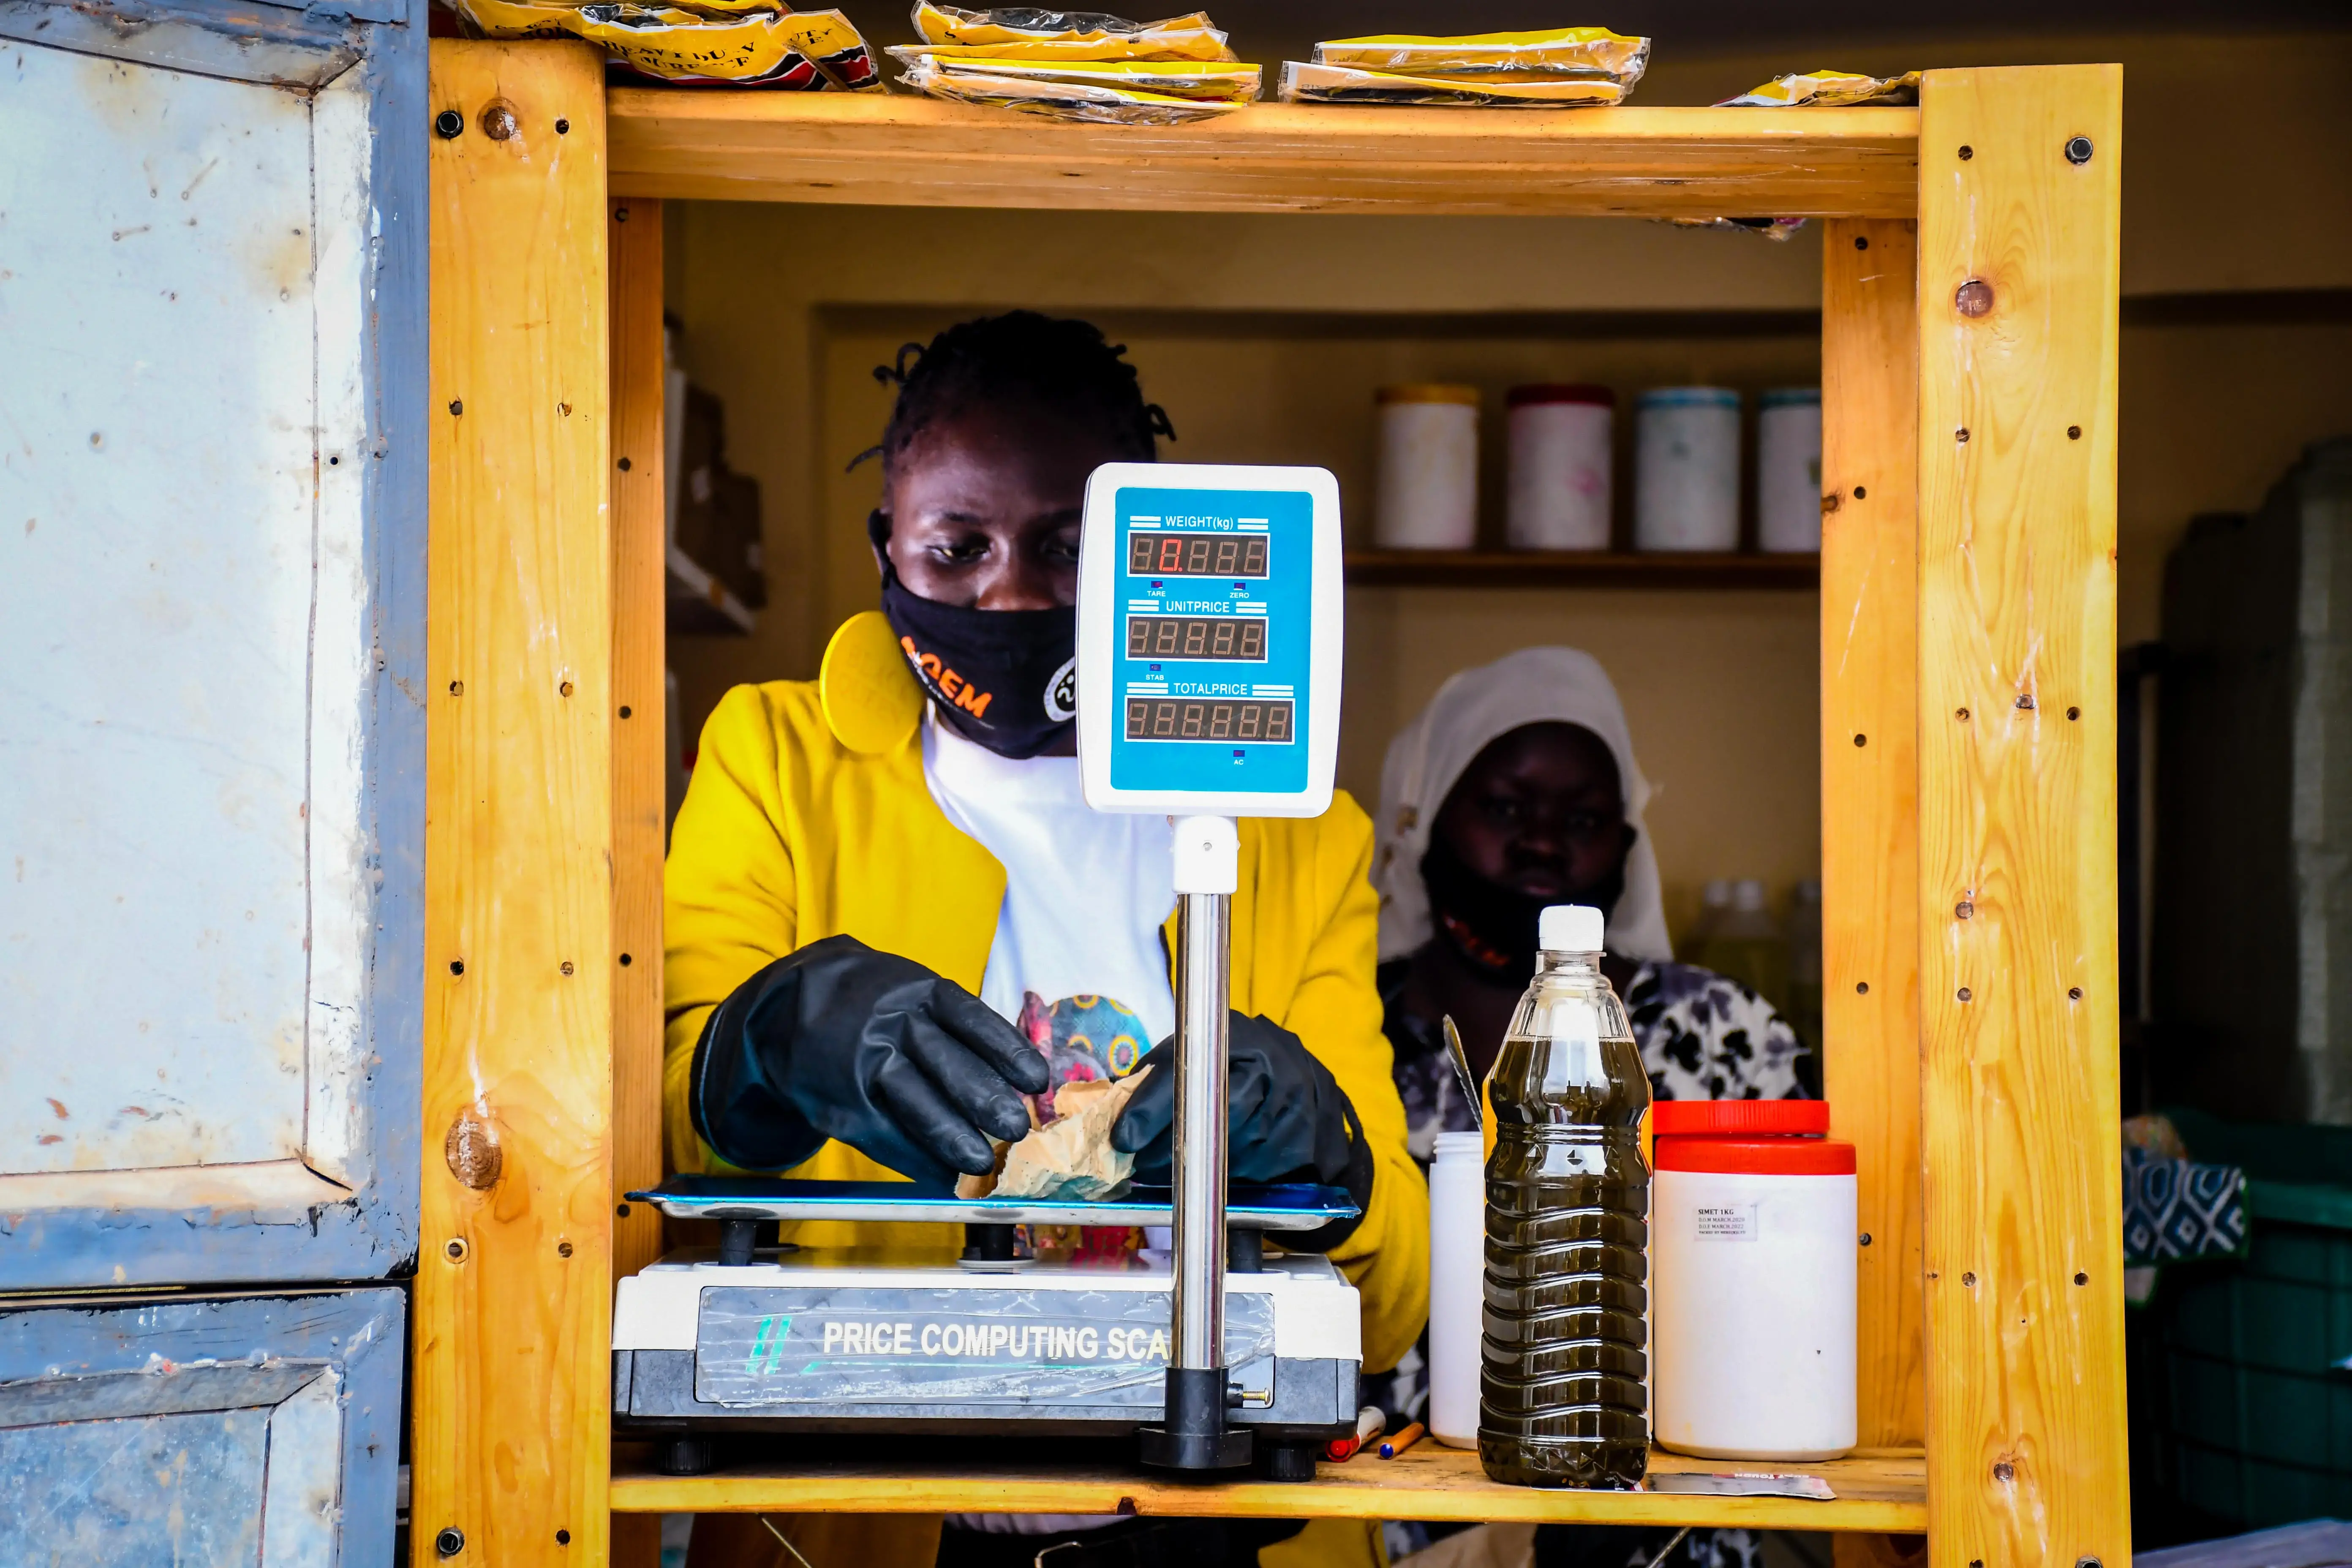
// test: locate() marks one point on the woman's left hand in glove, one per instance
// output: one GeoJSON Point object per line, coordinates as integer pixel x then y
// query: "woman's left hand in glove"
{"type": "Point", "coordinates": [1289, 1119]}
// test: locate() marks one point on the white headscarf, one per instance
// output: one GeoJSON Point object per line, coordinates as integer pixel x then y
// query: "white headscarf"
{"type": "Point", "coordinates": [1533, 686]}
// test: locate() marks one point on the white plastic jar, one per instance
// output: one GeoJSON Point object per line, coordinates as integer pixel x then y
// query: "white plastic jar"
{"type": "Point", "coordinates": [1457, 1265]}
{"type": "Point", "coordinates": [1428, 493]}
{"type": "Point", "coordinates": [1752, 1238]}
{"type": "Point", "coordinates": [1788, 469]}
{"type": "Point", "coordinates": [1560, 490]}
{"type": "Point", "coordinates": [1686, 469]}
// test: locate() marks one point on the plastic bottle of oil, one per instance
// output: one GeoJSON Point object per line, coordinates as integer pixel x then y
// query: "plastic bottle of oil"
{"type": "Point", "coordinates": [1562, 1400]}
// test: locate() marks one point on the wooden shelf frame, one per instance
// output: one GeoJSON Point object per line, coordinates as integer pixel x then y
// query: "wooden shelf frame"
{"type": "Point", "coordinates": [1884, 1492]}
{"type": "Point", "coordinates": [1967, 585]}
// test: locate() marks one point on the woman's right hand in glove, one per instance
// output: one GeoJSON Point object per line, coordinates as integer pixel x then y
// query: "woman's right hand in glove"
{"type": "Point", "coordinates": [840, 1041]}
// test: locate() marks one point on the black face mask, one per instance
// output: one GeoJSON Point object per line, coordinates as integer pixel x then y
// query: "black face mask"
{"type": "Point", "coordinates": [1492, 924]}
{"type": "Point", "coordinates": [1006, 679]}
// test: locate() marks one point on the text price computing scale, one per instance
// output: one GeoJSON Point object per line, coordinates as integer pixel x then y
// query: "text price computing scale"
{"type": "Point", "coordinates": [1210, 617]}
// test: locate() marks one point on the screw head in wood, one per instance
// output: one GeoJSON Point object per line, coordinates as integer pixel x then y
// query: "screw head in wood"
{"type": "Point", "coordinates": [1831, 502]}
{"type": "Point", "coordinates": [1862, 242]}
{"type": "Point", "coordinates": [624, 465]}
{"type": "Point", "coordinates": [2074, 994]}
{"type": "Point", "coordinates": [563, 128]}
{"type": "Point", "coordinates": [457, 405]}
{"type": "Point", "coordinates": [2082, 1279]}
{"type": "Point", "coordinates": [457, 689]}
{"type": "Point", "coordinates": [456, 967]}
{"type": "Point", "coordinates": [2078, 150]}
{"type": "Point", "coordinates": [1866, 1239]}
{"type": "Point", "coordinates": [1862, 740]}
{"type": "Point", "coordinates": [1964, 908]}
{"type": "Point", "coordinates": [1961, 435]}
{"type": "Point", "coordinates": [2004, 1471]}
{"type": "Point", "coordinates": [623, 1211]}
{"type": "Point", "coordinates": [1970, 1280]}
{"type": "Point", "coordinates": [1966, 154]}
{"type": "Point", "coordinates": [449, 124]}
{"type": "Point", "coordinates": [1965, 995]}
{"type": "Point", "coordinates": [1862, 988]}
{"type": "Point", "coordinates": [566, 966]}
{"type": "Point", "coordinates": [1973, 297]}
{"type": "Point", "coordinates": [1860, 493]}
{"type": "Point", "coordinates": [2025, 700]}
{"type": "Point", "coordinates": [625, 961]}
{"type": "Point", "coordinates": [625, 710]}
{"type": "Point", "coordinates": [456, 1249]}
{"type": "Point", "coordinates": [449, 1543]}
{"type": "Point", "coordinates": [562, 1249]}
{"type": "Point", "coordinates": [1961, 714]}
{"type": "Point", "coordinates": [620, 215]}
{"type": "Point", "coordinates": [2073, 432]}
{"type": "Point", "coordinates": [499, 123]}
{"type": "Point", "coordinates": [2073, 713]}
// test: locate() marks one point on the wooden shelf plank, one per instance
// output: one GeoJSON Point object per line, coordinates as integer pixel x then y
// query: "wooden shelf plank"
{"type": "Point", "coordinates": [1577, 568]}
{"type": "Point", "coordinates": [1878, 1491]}
{"type": "Point", "coordinates": [895, 150]}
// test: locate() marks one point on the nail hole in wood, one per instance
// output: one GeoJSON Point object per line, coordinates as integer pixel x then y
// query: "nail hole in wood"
{"type": "Point", "coordinates": [565, 688]}
{"type": "Point", "coordinates": [1862, 242]}
{"type": "Point", "coordinates": [624, 961]}
{"type": "Point", "coordinates": [1862, 988]}
{"type": "Point", "coordinates": [1961, 435]}
{"type": "Point", "coordinates": [456, 967]}
{"type": "Point", "coordinates": [1862, 740]}
{"type": "Point", "coordinates": [1965, 993]}
{"type": "Point", "coordinates": [623, 1211]}
{"type": "Point", "coordinates": [1970, 1280]}
{"type": "Point", "coordinates": [563, 128]}
{"type": "Point", "coordinates": [457, 689]}
{"type": "Point", "coordinates": [562, 1249]}
{"type": "Point", "coordinates": [1860, 493]}
{"type": "Point", "coordinates": [562, 1537]}
{"type": "Point", "coordinates": [2073, 432]}
{"type": "Point", "coordinates": [1961, 714]}
{"type": "Point", "coordinates": [567, 966]}
{"type": "Point", "coordinates": [624, 710]}
{"type": "Point", "coordinates": [624, 465]}
{"type": "Point", "coordinates": [2082, 1280]}
{"type": "Point", "coordinates": [2074, 994]}
{"type": "Point", "coordinates": [1966, 154]}
{"type": "Point", "coordinates": [456, 1249]}
{"type": "Point", "coordinates": [620, 215]}
{"type": "Point", "coordinates": [564, 409]}
{"type": "Point", "coordinates": [457, 405]}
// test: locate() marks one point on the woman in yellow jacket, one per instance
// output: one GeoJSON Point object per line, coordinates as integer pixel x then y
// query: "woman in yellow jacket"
{"type": "Point", "coordinates": [890, 917]}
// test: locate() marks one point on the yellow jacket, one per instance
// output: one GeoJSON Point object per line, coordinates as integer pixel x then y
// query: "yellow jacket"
{"type": "Point", "coordinates": [808, 815]}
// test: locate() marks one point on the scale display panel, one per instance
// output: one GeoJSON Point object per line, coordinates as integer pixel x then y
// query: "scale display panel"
{"type": "Point", "coordinates": [1209, 636]}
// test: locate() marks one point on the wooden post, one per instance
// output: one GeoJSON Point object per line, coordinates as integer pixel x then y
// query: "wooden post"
{"type": "Point", "coordinates": [640, 779]}
{"type": "Point", "coordinates": [1870, 803]}
{"type": "Point", "coordinates": [512, 1405]}
{"type": "Point", "coordinates": [2019, 194]}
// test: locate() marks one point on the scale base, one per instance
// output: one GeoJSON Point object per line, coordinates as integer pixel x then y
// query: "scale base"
{"type": "Point", "coordinates": [1194, 1435]}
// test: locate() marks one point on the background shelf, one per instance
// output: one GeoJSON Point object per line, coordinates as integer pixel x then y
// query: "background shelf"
{"type": "Point", "coordinates": [1577, 568]}
{"type": "Point", "coordinates": [1876, 1491]}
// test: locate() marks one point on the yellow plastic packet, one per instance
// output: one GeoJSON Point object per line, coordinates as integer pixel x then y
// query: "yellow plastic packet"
{"type": "Point", "coordinates": [1022, 33]}
{"type": "Point", "coordinates": [1557, 52]}
{"type": "Point", "coordinates": [1207, 80]}
{"type": "Point", "coordinates": [1306, 83]}
{"type": "Point", "coordinates": [1828, 90]}
{"type": "Point", "coordinates": [1099, 102]}
{"type": "Point", "coordinates": [804, 51]}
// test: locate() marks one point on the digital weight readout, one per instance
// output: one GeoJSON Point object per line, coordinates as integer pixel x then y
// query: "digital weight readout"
{"type": "Point", "coordinates": [1196, 636]}
{"type": "Point", "coordinates": [1263, 719]}
{"type": "Point", "coordinates": [1170, 553]}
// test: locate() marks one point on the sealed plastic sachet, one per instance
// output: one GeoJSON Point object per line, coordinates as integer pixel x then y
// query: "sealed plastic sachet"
{"type": "Point", "coordinates": [1211, 81]}
{"type": "Point", "coordinates": [707, 43]}
{"type": "Point", "coordinates": [1308, 83]}
{"type": "Point", "coordinates": [1064, 97]}
{"type": "Point", "coordinates": [1022, 32]}
{"type": "Point", "coordinates": [1555, 52]}
{"type": "Point", "coordinates": [1828, 90]}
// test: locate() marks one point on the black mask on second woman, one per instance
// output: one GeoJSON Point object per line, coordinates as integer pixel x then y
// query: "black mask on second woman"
{"type": "Point", "coordinates": [1493, 924]}
{"type": "Point", "coordinates": [1006, 679]}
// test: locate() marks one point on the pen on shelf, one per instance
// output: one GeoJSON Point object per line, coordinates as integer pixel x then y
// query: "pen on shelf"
{"type": "Point", "coordinates": [1369, 1422]}
{"type": "Point", "coordinates": [1392, 1446]}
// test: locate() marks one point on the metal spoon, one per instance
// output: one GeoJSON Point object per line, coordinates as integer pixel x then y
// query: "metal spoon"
{"type": "Point", "coordinates": [1462, 1070]}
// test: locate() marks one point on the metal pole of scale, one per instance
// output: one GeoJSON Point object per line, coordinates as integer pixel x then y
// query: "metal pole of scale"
{"type": "Point", "coordinates": [1194, 1435]}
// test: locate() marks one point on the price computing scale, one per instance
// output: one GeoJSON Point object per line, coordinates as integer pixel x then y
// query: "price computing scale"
{"type": "Point", "coordinates": [1210, 619]}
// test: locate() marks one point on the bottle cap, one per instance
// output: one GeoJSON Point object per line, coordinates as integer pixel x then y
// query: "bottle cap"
{"type": "Point", "coordinates": [1568, 928]}
{"type": "Point", "coordinates": [1740, 1117]}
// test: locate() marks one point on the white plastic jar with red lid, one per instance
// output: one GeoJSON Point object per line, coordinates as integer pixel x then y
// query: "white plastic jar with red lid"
{"type": "Point", "coordinates": [1752, 1240]}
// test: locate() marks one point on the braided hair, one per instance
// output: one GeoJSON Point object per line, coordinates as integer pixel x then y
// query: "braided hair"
{"type": "Point", "coordinates": [1061, 366]}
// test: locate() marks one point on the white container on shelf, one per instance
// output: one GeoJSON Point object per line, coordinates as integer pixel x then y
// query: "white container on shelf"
{"type": "Point", "coordinates": [1428, 494]}
{"type": "Point", "coordinates": [1788, 470]}
{"type": "Point", "coordinates": [1752, 1235]}
{"type": "Point", "coordinates": [1561, 466]}
{"type": "Point", "coordinates": [1686, 469]}
{"type": "Point", "coordinates": [1457, 1266]}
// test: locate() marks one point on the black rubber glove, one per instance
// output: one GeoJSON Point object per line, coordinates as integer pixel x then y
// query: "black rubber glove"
{"type": "Point", "coordinates": [1288, 1120]}
{"type": "Point", "coordinates": [840, 1041]}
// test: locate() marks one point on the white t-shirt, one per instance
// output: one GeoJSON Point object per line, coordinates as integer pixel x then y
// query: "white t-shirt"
{"type": "Point", "coordinates": [1086, 893]}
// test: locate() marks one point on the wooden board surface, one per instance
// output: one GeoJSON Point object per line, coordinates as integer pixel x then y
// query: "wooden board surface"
{"type": "Point", "coordinates": [640, 778]}
{"type": "Point", "coordinates": [1875, 1492]}
{"type": "Point", "coordinates": [1667, 570]}
{"type": "Point", "coordinates": [873, 148]}
{"type": "Point", "coordinates": [1869, 771]}
{"type": "Point", "coordinates": [512, 1385]}
{"type": "Point", "coordinates": [2017, 804]}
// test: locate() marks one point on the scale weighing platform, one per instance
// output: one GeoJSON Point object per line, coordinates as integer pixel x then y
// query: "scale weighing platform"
{"type": "Point", "coordinates": [1209, 648]}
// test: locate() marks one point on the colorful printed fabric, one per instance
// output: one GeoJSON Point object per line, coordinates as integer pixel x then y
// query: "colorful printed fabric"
{"type": "Point", "coordinates": [1082, 1038]}
{"type": "Point", "coordinates": [2178, 1209]}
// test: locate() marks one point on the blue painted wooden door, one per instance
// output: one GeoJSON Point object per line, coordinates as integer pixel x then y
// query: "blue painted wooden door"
{"type": "Point", "coordinates": [212, 564]}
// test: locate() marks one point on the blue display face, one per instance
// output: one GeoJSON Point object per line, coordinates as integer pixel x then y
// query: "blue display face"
{"type": "Point", "coordinates": [1215, 636]}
